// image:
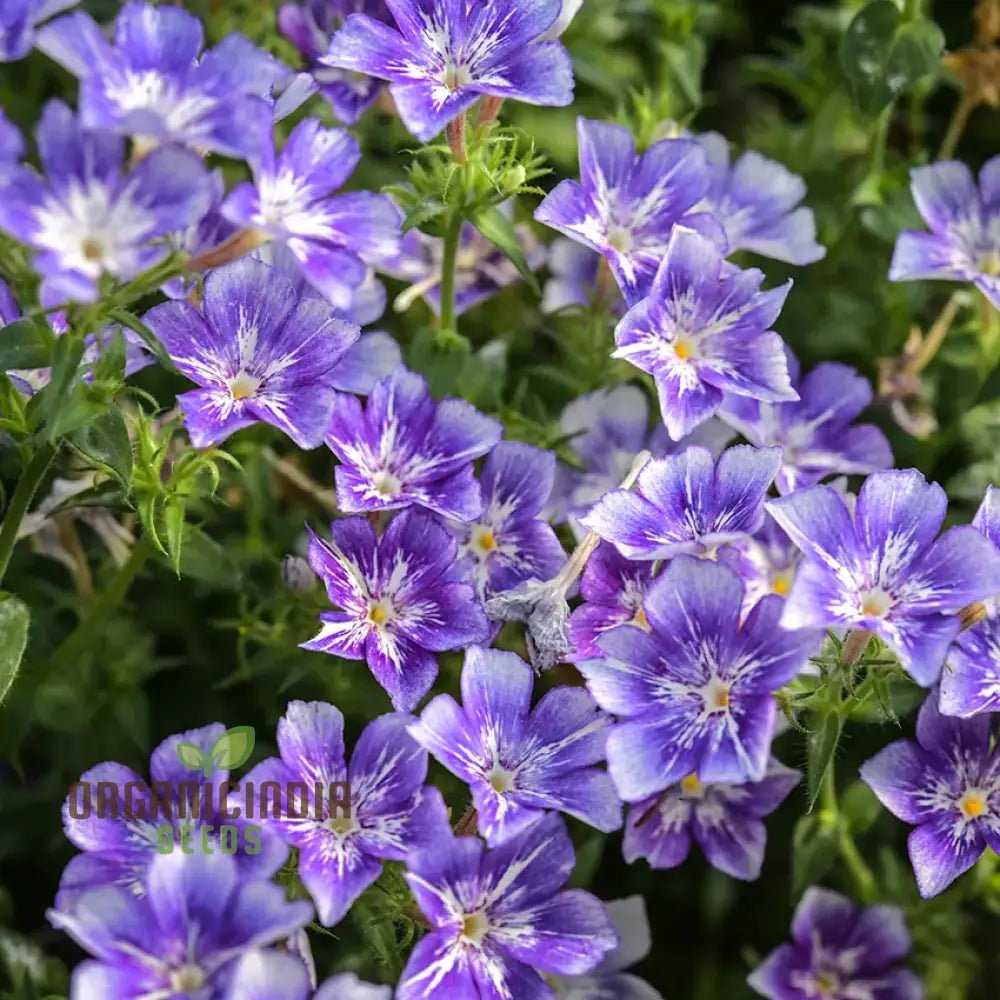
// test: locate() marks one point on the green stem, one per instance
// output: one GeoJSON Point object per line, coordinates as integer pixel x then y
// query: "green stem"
{"type": "Point", "coordinates": [109, 598]}
{"type": "Point", "coordinates": [861, 874]}
{"type": "Point", "coordinates": [449, 259]}
{"type": "Point", "coordinates": [955, 128]}
{"type": "Point", "coordinates": [20, 501]}
{"type": "Point", "coordinates": [880, 142]}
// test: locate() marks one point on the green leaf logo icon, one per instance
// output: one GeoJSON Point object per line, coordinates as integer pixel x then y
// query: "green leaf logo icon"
{"type": "Point", "coordinates": [193, 758]}
{"type": "Point", "coordinates": [230, 750]}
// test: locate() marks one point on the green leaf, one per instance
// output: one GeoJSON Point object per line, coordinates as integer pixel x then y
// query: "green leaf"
{"type": "Point", "coordinates": [173, 522]}
{"type": "Point", "coordinates": [105, 442]}
{"type": "Point", "coordinates": [822, 745]}
{"type": "Point", "coordinates": [202, 558]}
{"type": "Point", "coordinates": [194, 758]}
{"type": "Point", "coordinates": [56, 396]}
{"type": "Point", "coordinates": [26, 343]}
{"type": "Point", "coordinates": [14, 619]}
{"type": "Point", "coordinates": [500, 231]}
{"type": "Point", "coordinates": [883, 58]}
{"type": "Point", "coordinates": [860, 807]}
{"type": "Point", "coordinates": [233, 748]}
{"type": "Point", "coordinates": [428, 207]}
{"type": "Point", "coordinates": [814, 850]}
{"type": "Point", "coordinates": [110, 364]}
{"type": "Point", "coordinates": [132, 322]}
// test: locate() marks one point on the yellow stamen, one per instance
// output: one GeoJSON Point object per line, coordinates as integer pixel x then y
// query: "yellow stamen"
{"type": "Point", "coordinates": [486, 541]}
{"type": "Point", "coordinates": [691, 785]}
{"type": "Point", "coordinates": [641, 620]}
{"type": "Point", "coordinates": [973, 804]}
{"type": "Point", "coordinates": [683, 349]}
{"type": "Point", "coordinates": [782, 585]}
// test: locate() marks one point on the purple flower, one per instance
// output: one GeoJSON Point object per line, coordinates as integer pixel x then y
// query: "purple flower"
{"type": "Point", "coordinates": [481, 270]}
{"type": "Point", "coordinates": [839, 952]}
{"type": "Point", "coordinates": [309, 27]}
{"type": "Point", "coordinates": [156, 85]}
{"type": "Point", "coordinates": [361, 304]}
{"type": "Point", "coordinates": [342, 847]}
{"type": "Point", "coordinates": [509, 542]}
{"type": "Point", "coordinates": [501, 919]}
{"type": "Point", "coordinates": [613, 589]}
{"type": "Point", "coordinates": [119, 841]}
{"type": "Point", "coordinates": [261, 975]}
{"type": "Point", "coordinates": [11, 140]}
{"type": "Point", "coordinates": [816, 431]}
{"type": "Point", "coordinates": [91, 219]}
{"type": "Point", "coordinates": [970, 682]}
{"type": "Point", "coordinates": [694, 693]}
{"type": "Point", "coordinates": [291, 200]}
{"type": "Point", "coordinates": [726, 820]}
{"type": "Point", "coordinates": [404, 448]}
{"type": "Point", "coordinates": [610, 981]}
{"type": "Point", "coordinates": [18, 20]}
{"type": "Point", "coordinates": [766, 562]}
{"type": "Point", "coordinates": [705, 331]}
{"type": "Point", "coordinates": [756, 201]}
{"type": "Point", "coordinates": [574, 275]}
{"type": "Point", "coordinates": [626, 206]}
{"type": "Point", "coordinates": [517, 761]}
{"type": "Point", "coordinates": [882, 569]}
{"type": "Point", "coordinates": [348, 987]}
{"type": "Point", "coordinates": [401, 603]}
{"type": "Point", "coordinates": [446, 54]}
{"type": "Point", "coordinates": [259, 353]}
{"type": "Point", "coordinates": [183, 939]}
{"type": "Point", "coordinates": [686, 503]}
{"type": "Point", "coordinates": [964, 221]}
{"type": "Point", "coordinates": [947, 785]}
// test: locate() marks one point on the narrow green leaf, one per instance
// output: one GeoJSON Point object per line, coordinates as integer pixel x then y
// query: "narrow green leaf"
{"type": "Point", "coordinates": [202, 558]}
{"type": "Point", "coordinates": [822, 745]}
{"type": "Point", "coordinates": [105, 442]}
{"type": "Point", "coordinates": [14, 619]}
{"type": "Point", "coordinates": [500, 231]}
{"type": "Point", "coordinates": [427, 208]}
{"type": "Point", "coordinates": [173, 523]}
{"type": "Point", "coordinates": [814, 851]}
{"type": "Point", "coordinates": [233, 748]}
{"type": "Point", "coordinates": [110, 365]}
{"type": "Point", "coordinates": [25, 343]}
{"type": "Point", "coordinates": [132, 322]}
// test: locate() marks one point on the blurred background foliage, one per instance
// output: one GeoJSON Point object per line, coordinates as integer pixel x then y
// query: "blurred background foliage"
{"type": "Point", "coordinates": [221, 643]}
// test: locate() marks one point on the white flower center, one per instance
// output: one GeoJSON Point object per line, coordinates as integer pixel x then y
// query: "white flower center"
{"type": "Point", "coordinates": [386, 483]}
{"type": "Point", "coordinates": [715, 694]}
{"type": "Point", "coordinates": [244, 386]}
{"type": "Point", "coordinates": [501, 779]}
{"type": "Point", "coordinates": [474, 927]}
{"type": "Point", "coordinates": [876, 602]}
{"type": "Point", "coordinates": [187, 979]}
{"type": "Point", "coordinates": [342, 825]}
{"type": "Point", "coordinates": [380, 612]}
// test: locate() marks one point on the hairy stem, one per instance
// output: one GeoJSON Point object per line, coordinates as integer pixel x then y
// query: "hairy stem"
{"type": "Point", "coordinates": [455, 133]}
{"type": "Point", "coordinates": [861, 874]}
{"type": "Point", "coordinates": [449, 258]}
{"type": "Point", "coordinates": [930, 345]}
{"type": "Point", "coordinates": [21, 500]}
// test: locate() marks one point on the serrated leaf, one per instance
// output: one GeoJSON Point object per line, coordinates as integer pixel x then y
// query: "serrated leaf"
{"type": "Point", "coordinates": [193, 757]}
{"type": "Point", "coordinates": [105, 441]}
{"type": "Point", "coordinates": [426, 208]}
{"type": "Point", "coordinates": [233, 748]}
{"type": "Point", "coordinates": [500, 231]}
{"type": "Point", "coordinates": [25, 343]}
{"type": "Point", "coordinates": [821, 746]}
{"type": "Point", "coordinates": [14, 620]}
{"type": "Point", "coordinates": [173, 524]}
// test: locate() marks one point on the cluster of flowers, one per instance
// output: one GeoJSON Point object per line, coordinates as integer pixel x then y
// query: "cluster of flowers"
{"type": "Point", "coordinates": [701, 597]}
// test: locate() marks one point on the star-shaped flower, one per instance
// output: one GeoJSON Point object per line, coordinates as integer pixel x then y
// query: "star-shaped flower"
{"type": "Point", "coordinates": [882, 570]}
{"type": "Point", "coordinates": [184, 937]}
{"type": "Point", "coordinates": [757, 202]}
{"type": "Point", "coordinates": [838, 951]}
{"type": "Point", "coordinates": [447, 54]}
{"type": "Point", "coordinates": [155, 83]}
{"type": "Point", "coordinates": [687, 503]}
{"type": "Point", "coordinates": [259, 353]}
{"type": "Point", "coordinates": [309, 26]}
{"type": "Point", "coordinates": [509, 542]}
{"type": "Point", "coordinates": [342, 845]}
{"type": "Point", "coordinates": [119, 842]}
{"type": "Point", "coordinates": [500, 918]}
{"type": "Point", "coordinates": [970, 682]}
{"type": "Point", "coordinates": [404, 449]}
{"type": "Point", "coordinates": [401, 602]}
{"type": "Point", "coordinates": [90, 217]}
{"type": "Point", "coordinates": [704, 331]}
{"type": "Point", "coordinates": [726, 820]}
{"type": "Point", "coordinates": [334, 237]}
{"type": "Point", "coordinates": [964, 221]}
{"type": "Point", "coordinates": [517, 761]}
{"type": "Point", "coordinates": [613, 589]}
{"type": "Point", "coordinates": [626, 206]}
{"type": "Point", "coordinates": [947, 785]}
{"type": "Point", "coordinates": [694, 694]}
{"type": "Point", "coordinates": [816, 432]}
